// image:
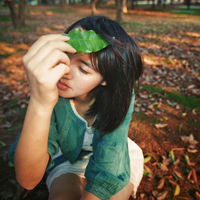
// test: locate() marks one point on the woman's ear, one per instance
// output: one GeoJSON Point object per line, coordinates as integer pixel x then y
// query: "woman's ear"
{"type": "Point", "coordinates": [103, 83]}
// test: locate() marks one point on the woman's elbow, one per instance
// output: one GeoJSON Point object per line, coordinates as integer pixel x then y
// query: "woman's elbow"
{"type": "Point", "coordinates": [26, 182]}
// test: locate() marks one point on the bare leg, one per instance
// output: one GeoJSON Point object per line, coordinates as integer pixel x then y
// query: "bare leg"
{"type": "Point", "coordinates": [67, 187]}
{"type": "Point", "coordinates": [123, 194]}
{"type": "Point", "coordinates": [71, 187]}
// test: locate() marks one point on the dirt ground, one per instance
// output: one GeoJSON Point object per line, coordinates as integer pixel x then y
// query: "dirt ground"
{"type": "Point", "coordinates": [166, 128]}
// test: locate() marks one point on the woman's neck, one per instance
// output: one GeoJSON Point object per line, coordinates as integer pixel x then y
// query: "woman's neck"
{"type": "Point", "coordinates": [82, 105]}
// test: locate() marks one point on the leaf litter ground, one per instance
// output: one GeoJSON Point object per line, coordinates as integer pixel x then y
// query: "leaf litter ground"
{"type": "Point", "coordinates": [166, 121]}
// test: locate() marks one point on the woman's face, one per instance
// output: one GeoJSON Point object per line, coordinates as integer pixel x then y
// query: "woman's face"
{"type": "Point", "coordinates": [81, 79]}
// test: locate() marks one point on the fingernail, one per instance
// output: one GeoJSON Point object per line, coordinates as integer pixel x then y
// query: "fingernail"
{"type": "Point", "coordinates": [64, 34]}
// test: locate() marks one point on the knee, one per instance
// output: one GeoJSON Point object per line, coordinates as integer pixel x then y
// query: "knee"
{"type": "Point", "coordinates": [64, 196]}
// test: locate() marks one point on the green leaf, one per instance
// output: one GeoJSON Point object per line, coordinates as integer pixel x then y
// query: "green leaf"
{"type": "Point", "coordinates": [149, 154]}
{"type": "Point", "coordinates": [171, 155]}
{"type": "Point", "coordinates": [145, 173]}
{"type": "Point", "coordinates": [2, 144]}
{"type": "Point", "coordinates": [155, 103]}
{"type": "Point", "coordinates": [186, 158]}
{"type": "Point", "coordinates": [10, 164]}
{"type": "Point", "coordinates": [86, 41]}
{"type": "Point", "coordinates": [159, 164]}
{"type": "Point", "coordinates": [147, 159]}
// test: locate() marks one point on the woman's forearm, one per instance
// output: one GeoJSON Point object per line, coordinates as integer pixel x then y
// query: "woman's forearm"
{"type": "Point", "coordinates": [31, 156]}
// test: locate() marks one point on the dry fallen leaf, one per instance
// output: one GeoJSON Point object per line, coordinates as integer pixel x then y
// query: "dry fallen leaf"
{"type": "Point", "coordinates": [160, 125]}
{"type": "Point", "coordinates": [192, 150]}
{"type": "Point", "coordinates": [161, 183]}
{"type": "Point", "coordinates": [191, 164]}
{"type": "Point", "coordinates": [176, 162]}
{"type": "Point", "coordinates": [142, 195]}
{"type": "Point", "coordinates": [189, 175]}
{"type": "Point", "coordinates": [163, 167]}
{"type": "Point", "coordinates": [197, 195]}
{"type": "Point", "coordinates": [172, 182]}
{"type": "Point", "coordinates": [184, 138]}
{"type": "Point", "coordinates": [150, 175]}
{"type": "Point", "coordinates": [162, 195]}
{"type": "Point", "coordinates": [194, 175]}
{"type": "Point", "coordinates": [166, 161]}
{"type": "Point", "coordinates": [178, 174]}
{"type": "Point", "coordinates": [155, 193]}
{"type": "Point", "coordinates": [169, 177]}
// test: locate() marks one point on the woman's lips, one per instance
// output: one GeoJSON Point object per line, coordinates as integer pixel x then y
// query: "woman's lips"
{"type": "Point", "coordinates": [62, 85]}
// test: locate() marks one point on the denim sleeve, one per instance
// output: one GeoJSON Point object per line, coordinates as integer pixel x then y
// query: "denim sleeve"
{"type": "Point", "coordinates": [108, 170]}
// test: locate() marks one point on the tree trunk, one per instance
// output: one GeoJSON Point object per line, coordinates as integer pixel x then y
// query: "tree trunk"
{"type": "Point", "coordinates": [132, 4]}
{"type": "Point", "coordinates": [119, 17]}
{"type": "Point", "coordinates": [12, 12]}
{"type": "Point", "coordinates": [153, 4]}
{"type": "Point", "coordinates": [94, 10]}
{"type": "Point", "coordinates": [22, 13]}
{"type": "Point", "coordinates": [188, 4]}
{"type": "Point", "coordinates": [164, 3]}
{"type": "Point", "coordinates": [124, 6]}
{"type": "Point", "coordinates": [159, 2]}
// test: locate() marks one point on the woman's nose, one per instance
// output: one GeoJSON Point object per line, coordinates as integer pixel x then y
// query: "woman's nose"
{"type": "Point", "coordinates": [67, 76]}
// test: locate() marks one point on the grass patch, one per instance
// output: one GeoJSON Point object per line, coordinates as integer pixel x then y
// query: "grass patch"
{"type": "Point", "coordinates": [26, 29]}
{"type": "Point", "coordinates": [152, 89]}
{"type": "Point", "coordinates": [130, 23]}
{"type": "Point", "coordinates": [6, 55]}
{"type": "Point", "coordinates": [61, 10]}
{"type": "Point", "coordinates": [189, 102]}
{"type": "Point", "coordinates": [5, 18]}
{"type": "Point", "coordinates": [167, 61]}
{"type": "Point", "coordinates": [5, 38]}
{"type": "Point", "coordinates": [188, 12]}
{"type": "Point", "coordinates": [194, 123]}
{"type": "Point", "coordinates": [140, 116]}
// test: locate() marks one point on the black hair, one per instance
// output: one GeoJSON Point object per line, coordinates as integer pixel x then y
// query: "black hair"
{"type": "Point", "coordinates": [120, 65]}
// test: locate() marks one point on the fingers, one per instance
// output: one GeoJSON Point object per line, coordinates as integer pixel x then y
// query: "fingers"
{"type": "Point", "coordinates": [53, 58]}
{"type": "Point", "coordinates": [50, 47]}
{"type": "Point", "coordinates": [52, 41]}
{"type": "Point", "coordinates": [51, 68]}
{"type": "Point", "coordinates": [58, 71]}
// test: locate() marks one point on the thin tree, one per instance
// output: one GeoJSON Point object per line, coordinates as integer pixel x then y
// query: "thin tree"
{"type": "Point", "coordinates": [119, 17]}
{"type": "Point", "coordinates": [125, 10]}
{"type": "Point", "coordinates": [93, 4]}
{"type": "Point", "coordinates": [22, 13]}
{"type": "Point", "coordinates": [10, 4]}
{"type": "Point", "coordinates": [188, 4]}
{"type": "Point", "coordinates": [20, 19]}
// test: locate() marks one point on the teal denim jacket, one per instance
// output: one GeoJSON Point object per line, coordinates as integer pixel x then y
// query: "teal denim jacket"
{"type": "Point", "coordinates": [108, 170]}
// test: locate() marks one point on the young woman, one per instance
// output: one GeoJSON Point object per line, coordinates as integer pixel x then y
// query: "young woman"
{"type": "Point", "coordinates": [77, 121]}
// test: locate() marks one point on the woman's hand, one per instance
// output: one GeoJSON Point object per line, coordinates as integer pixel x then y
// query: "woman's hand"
{"type": "Point", "coordinates": [45, 63]}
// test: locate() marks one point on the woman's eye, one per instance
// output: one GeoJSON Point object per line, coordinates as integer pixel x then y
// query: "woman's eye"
{"type": "Point", "coordinates": [82, 70]}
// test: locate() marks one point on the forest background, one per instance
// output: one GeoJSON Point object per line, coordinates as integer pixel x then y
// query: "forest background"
{"type": "Point", "coordinates": [166, 120]}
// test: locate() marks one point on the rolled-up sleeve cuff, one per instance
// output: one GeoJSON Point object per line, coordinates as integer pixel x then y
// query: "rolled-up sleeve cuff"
{"type": "Point", "coordinates": [98, 191]}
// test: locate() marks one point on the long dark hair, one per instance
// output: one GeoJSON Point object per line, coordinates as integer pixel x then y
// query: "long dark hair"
{"type": "Point", "coordinates": [120, 65]}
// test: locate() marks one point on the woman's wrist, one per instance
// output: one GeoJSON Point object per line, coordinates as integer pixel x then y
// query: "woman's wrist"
{"type": "Point", "coordinates": [39, 108]}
